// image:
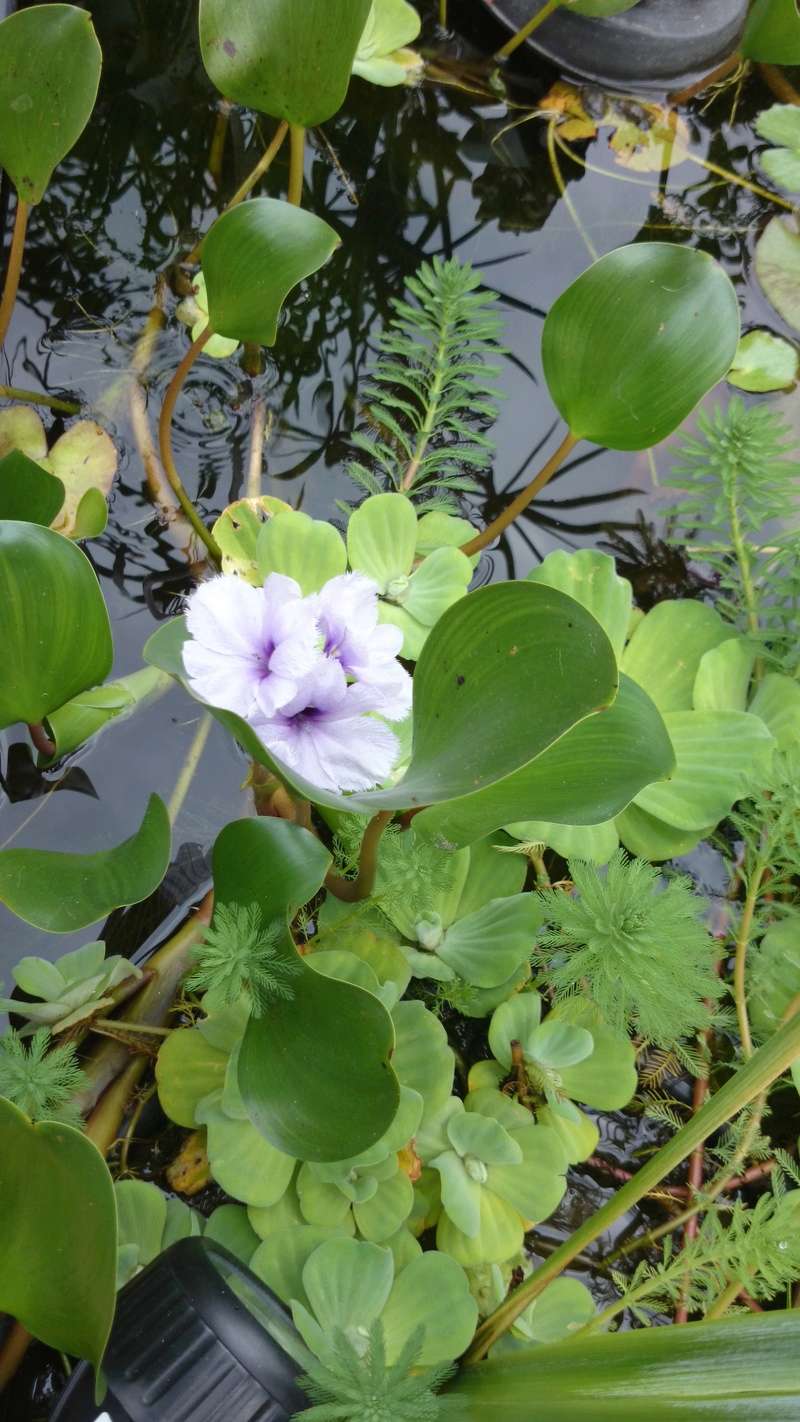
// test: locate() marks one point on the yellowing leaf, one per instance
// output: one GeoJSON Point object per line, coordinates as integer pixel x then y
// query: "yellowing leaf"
{"type": "Point", "coordinates": [84, 459]}
{"type": "Point", "coordinates": [21, 428]}
{"type": "Point", "coordinates": [648, 147]}
{"type": "Point", "coordinates": [565, 100]}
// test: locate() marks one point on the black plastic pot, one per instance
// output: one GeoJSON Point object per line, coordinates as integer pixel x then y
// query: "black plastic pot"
{"type": "Point", "coordinates": [659, 43]}
{"type": "Point", "coordinates": [196, 1338]}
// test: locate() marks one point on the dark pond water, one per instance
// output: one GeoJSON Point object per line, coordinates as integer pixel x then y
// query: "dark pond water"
{"type": "Point", "coordinates": [402, 175]}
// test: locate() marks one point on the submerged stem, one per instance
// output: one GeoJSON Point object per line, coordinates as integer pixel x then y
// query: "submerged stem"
{"type": "Point", "coordinates": [520, 503]}
{"type": "Point", "coordinates": [553, 140]}
{"type": "Point", "coordinates": [753, 1081]}
{"type": "Point", "coordinates": [189, 766]}
{"type": "Point", "coordinates": [351, 890]}
{"type": "Point", "coordinates": [14, 267]}
{"type": "Point", "coordinates": [297, 153]}
{"type": "Point", "coordinates": [528, 29]}
{"type": "Point", "coordinates": [165, 443]}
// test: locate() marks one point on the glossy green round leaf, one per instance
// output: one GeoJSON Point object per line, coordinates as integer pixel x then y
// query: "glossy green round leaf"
{"type": "Point", "coordinates": [49, 73]}
{"type": "Point", "coordinates": [286, 59]}
{"type": "Point", "coordinates": [58, 1234]}
{"type": "Point", "coordinates": [314, 1070]}
{"type": "Point", "coordinates": [596, 843]}
{"type": "Point", "coordinates": [764, 362]}
{"type": "Point", "coordinates": [590, 774]}
{"type": "Point", "coordinates": [54, 628]}
{"type": "Point", "coordinates": [28, 492]}
{"type": "Point", "coordinates": [253, 255]}
{"type": "Point", "coordinates": [777, 264]}
{"type": "Point", "coordinates": [381, 57]}
{"type": "Point", "coordinates": [637, 340]}
{"type": "Point", "coordinates": [63, 892]}
{"type": "Point", "coordinates": [772, 32]}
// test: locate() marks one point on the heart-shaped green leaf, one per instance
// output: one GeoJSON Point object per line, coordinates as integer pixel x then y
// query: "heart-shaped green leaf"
{"type": "Point", "coordinates": [314, 1070]}
{"type": "Point", "coordinates": [252, 257]}
{"type": "Point", "coordinates": [772, 32]}
{"type": "Point", "coordinates": [28, 492]}
{"type": "Point", "coordinates": [49, 72]}
{"type": "Point", "coordinates": [637, 340]}
{"type": "Point", "coordinates": [283, 58]}
{"type": "Point", "coordinates": [58, 1234]}
{"type": "Point", "coordinates": [63, 892]}
{"type": "Point", "coordinates": [54, 628]}
{"type": "Point", "coordinates": [382, 57]}
{"type": "Point", "coordinates": [585, 777]}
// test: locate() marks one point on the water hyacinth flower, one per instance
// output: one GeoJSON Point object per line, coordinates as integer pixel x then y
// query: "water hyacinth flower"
{"type": "Point", "coordinates": [367, 650]}
{"type": "Point", "coordinates": [307, 673]}
{"type": "Point", "coordinates": [250, 647]}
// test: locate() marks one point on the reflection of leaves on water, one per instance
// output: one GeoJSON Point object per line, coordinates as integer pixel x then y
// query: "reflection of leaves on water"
{"type": "Point", "coordinates": [545, 514]}
{"type": "Point", "coordinates": [656, 569]}
{"type": "Point", "coordinates": [24, 781]}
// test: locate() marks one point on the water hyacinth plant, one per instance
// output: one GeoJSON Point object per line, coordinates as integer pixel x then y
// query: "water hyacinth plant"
{"type": "Point", "coordinates": [485, 898]}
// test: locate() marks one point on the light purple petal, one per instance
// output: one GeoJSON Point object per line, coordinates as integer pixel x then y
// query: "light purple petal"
{"type": "Point", "coordinates": [334, 752]}
{"type": "Point", "coordinates": [229, 682]}
{"type": "Point", "coordinates": [324, 689]}
{"type": "Point", "coordinates": [226, 615]}
{"type": "Point", "coordinates": [236, 658]}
